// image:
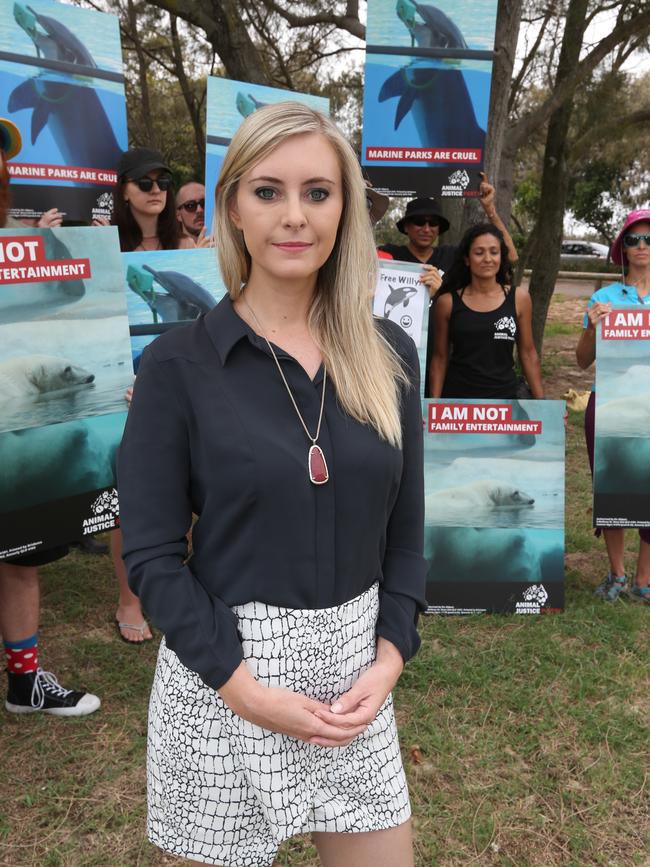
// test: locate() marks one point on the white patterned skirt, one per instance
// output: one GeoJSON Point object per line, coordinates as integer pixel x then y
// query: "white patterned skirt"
{"type": "Point", "coordinates": [224, 791]}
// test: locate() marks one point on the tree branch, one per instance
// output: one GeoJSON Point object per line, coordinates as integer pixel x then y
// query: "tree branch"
{"type": "Point", "coordinates": [524, 128]}
{"type": "Point", "coordinates": [612, 127]}
{"type": "Point", "coordinates": [349, 22]}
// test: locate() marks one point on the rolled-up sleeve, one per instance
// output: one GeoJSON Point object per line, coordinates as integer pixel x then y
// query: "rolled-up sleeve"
{"type": "Point", "coordinates": [402, 591]}
{"type": "Point", "coordinates": [156, 515]}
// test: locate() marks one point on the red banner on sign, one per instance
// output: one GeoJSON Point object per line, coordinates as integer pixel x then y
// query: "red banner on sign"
{"type": "Point", "coordinates": [430, 155]}
{"type": "Point", "coordinates": [22, 260]}
{"type": "Point", "coordinates": [78, 174]}
{"type": "Point", "coordinates": [626, 325]}
{"type": "Point", "coordinates": [479, 418]}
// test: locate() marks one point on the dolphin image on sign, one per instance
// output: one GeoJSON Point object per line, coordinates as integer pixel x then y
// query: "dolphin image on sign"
{"type": "Point", "coordinates": [437, 98]}
{"type": "Point", "coordinates": [65, 108]}
{"type": "Point", "coordinates": [183, 297]}
{"type": "Point", "coordinates": [437, 31]}
{"type": "Point", "coordinates": [439, 102]}
{"type": "Point", "coordinates": [398, 295]}
{"type": "Point", "coordinates": [21, 301]}
{"type": "Point", "coordinates": [247, 104]}
{"type": "Point", "coordinates": [57, 42]}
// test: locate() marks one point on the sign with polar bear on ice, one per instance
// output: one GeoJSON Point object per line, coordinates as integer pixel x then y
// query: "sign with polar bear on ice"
{"type": "Point", "coordinates": [622, 431]}
{"type": "Point", "coordinates": [494, 505]}
{"type": "Point", "coordinates": [65, 363]}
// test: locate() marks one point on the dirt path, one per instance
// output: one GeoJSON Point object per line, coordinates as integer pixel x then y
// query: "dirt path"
{"type": "Point", "coordinates": [563, 327]}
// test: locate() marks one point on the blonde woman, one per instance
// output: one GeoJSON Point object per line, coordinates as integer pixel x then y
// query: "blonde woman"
{"type": "Point", "coordinates": [289, 421]}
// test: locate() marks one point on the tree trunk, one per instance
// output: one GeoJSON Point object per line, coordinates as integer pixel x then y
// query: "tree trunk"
{"type": "Point", "coordinates": [186, 90]}
{"type": "Point", "coordinates": [226, 32]}
{"type": "Point", "coordinates": [143, 69]}
{"type": "Point", "coordinates": [505, 46]}
{"type": "Point", "coordinates": [545, 242]}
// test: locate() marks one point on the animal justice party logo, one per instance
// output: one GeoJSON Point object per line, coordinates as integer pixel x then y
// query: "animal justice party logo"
{"type": "Point", "coordinates": [105, 513]}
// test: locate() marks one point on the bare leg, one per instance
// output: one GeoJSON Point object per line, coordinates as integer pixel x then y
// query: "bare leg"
{"type": "Point", "coordinates": [642, 578]}
{"type": "Point", "coordinates": [615, 543]}
{"type": "Point", "coordinates": [19, 601]}
{"type": "Point", "coordinates": [128, 606]}
{"type": "Point", "coordinates": [390, 848]}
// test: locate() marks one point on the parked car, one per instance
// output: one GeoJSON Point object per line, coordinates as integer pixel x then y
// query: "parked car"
{"type": "Point", "coordinates": [584, 250]}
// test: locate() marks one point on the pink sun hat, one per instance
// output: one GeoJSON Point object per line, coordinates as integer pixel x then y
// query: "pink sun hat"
{"type": "Point", "coordinates": [640, 216]}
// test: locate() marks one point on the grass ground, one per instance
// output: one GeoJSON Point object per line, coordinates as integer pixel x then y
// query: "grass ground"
{"type": "Point", "coordinates": [525, 740]}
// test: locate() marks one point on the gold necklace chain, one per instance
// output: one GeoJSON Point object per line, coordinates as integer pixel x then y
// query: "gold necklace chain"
{"type": "Point", "coordinates": [313, 439]}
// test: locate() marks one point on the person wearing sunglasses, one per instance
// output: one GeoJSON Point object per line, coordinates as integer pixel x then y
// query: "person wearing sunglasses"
{"type": "Point", "coordinates": [630, 250]}
{"type": "Point", "coordinates": [145, 216]}
{"type": "Point", "coordinates": [190, 209]}
{"type": "Point", "coordinates": [144, 210]}
{"type": "Point", "coordinates": [423, 224]}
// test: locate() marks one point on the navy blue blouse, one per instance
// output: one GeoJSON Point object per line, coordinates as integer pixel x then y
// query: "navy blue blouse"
{"type": "Point", "coordinates": [211, 431]}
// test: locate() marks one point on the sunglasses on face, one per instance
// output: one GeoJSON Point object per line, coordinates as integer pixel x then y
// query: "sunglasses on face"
{"type": "Point", "coordinates": [193, 204]}
{"type": "Point", "coordinates": [424, 221]}
{"type": "Point", "coordinates": [145, 185]}
{"type": "Point", "coordinates": [634, 240]}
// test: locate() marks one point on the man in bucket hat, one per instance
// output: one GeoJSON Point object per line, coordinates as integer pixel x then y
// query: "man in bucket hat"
{"type": "Point", "coordinates": [423, 224]}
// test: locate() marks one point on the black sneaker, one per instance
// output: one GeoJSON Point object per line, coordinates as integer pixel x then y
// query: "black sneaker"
{"type": "Point", "coordinates": [40, 691]}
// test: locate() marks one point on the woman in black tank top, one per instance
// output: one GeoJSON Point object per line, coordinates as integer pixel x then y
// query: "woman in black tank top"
{"type": "Point", "coordinates": [478, 319]}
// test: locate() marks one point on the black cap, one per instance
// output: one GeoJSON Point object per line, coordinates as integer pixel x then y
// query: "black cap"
{"type": "Point", "coordinates": [138, 162]}
{"type": "Point", "coordinates": [423, 208]}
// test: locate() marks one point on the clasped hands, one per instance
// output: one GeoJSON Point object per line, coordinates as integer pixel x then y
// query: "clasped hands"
{"type": "Point", "coordinates": [281, 710]}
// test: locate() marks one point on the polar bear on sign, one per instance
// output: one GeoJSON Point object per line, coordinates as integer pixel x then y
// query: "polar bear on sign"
{"type": "Point", "coordinates": [481, 495]}
{"type": "Point", "coordinates": [31, 376]}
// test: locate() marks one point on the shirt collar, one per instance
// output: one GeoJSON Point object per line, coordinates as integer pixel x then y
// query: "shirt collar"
{"type": "Point", "coordinates": [225, 328]}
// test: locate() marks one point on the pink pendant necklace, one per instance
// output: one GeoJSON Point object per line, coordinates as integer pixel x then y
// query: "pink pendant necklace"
{"type": "Point", "coordinates": [316, 463]}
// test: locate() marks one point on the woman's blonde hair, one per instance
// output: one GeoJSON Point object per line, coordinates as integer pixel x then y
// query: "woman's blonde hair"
{"type": "Point", "coordinates": [364, 368]}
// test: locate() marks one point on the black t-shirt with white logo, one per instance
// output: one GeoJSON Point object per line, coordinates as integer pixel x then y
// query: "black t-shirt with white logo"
{"type": "Point", "coordinates": [481, 350]}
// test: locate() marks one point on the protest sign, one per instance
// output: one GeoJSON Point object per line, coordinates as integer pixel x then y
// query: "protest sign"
{"type": "Point", "coordinates": [166, 288]}
{"type": "Point", "coordinates": [402, 298]}
{"type": "Point", "coordinates": [61, 83]}
{"type": "Point", "coordinates": [622, 430]}
{"type": "Point", "coordinates": [426, 96]}
{"type": "Point", "coordinates": [494, 505]}
{"type": "Point", "coordinates": [65, 364]}
{"type": "Point", "coordinates": [228, 103]}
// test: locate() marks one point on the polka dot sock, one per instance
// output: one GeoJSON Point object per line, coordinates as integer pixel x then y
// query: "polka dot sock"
{"type": "Point", "coordinates": [22, 656]}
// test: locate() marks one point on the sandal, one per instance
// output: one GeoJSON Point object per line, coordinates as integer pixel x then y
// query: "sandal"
{"type": "Point", "coordinates": [640, 594]}
{"type": "Point", "coordinates": [120, 626]}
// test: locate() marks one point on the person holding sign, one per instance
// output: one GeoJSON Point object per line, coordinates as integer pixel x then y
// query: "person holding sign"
{"type": "Point", "coordinates": [30, 689]}
{"type": "Point", "coordinates": [289, 421]}
{"type": "Point", "coordinates": [482, 317]}
{"type": "Point", "coordinates": [144, 210]}
{"type": "Point", "coordinates": [630, 250]}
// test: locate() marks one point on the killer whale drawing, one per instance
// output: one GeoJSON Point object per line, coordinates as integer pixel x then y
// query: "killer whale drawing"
{"type": "Point", "coordinates": [183, 298]}
{"type": "Point", "coordinates": [398, 295]}
{"type": "Point", "coordinates": [64, 107]}
{"type": "Point", "coordinates": [435, 96]}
